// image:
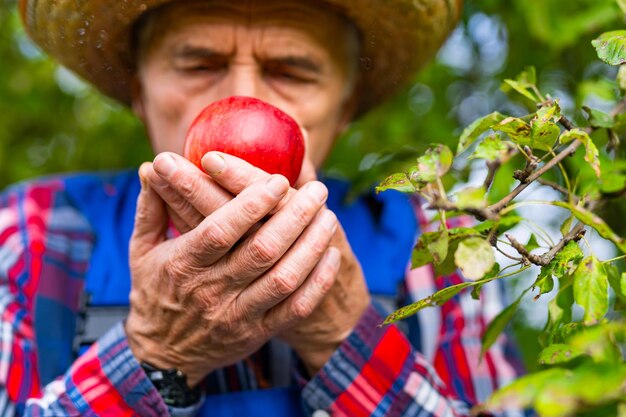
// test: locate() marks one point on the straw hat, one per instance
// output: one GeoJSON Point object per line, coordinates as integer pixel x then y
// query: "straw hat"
{"type": "Point", "coordinates": [93, 38]}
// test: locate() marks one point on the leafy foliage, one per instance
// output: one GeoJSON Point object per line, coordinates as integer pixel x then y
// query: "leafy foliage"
{"type": "Point", "coordinates": [581, 366]}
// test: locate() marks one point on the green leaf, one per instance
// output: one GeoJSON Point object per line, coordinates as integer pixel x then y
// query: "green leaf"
{"type": "Point", "coordinates": [599, 118]}
{"type": "Point", "coordinates": [549, 113]}
{"type": "Point", "coordinates": [399, 182]}
{"type": "Point", "coordinates": [592, 155]}
{"type": "Point", "coordinates": [477, 128]}
{"type": "Point", "coordinates": [611, 47]}
{"type": "Point", "coordinates": [437, 298]}
{"type": "Point", "coordinates": [560, 307]}
{"type": "Point", "coordinates": [434, 164]}
{"type": "Point", "coordinates": [437, 243]}
{"type": "Point", "coordinates": [523, 84]}
{"type": "Point", "coordinates": [621, 76]}
{"type": "Point", "coordinates": [544, 281]}
{"type": "Point", "coordinates": [600, 342]}
{"type": "Point", "coordinates": [618, 284]}
{"type": "Point", "coordinates": [594, 221]}
{"type": "Point", "coordinates": [567, 225]}
{"type": "Point", "coordinates": [541, 137]}
{"type": "Point", "coordinates": [521, 393]}
{"type": "Point", "coordinates": [558, 353]}
{"type": "Point", "coordinates": [498, 324]}
{"type": "Point", "coordinates": [520, 89]}
{"type": "Point", "coordinates": [591, 289]}
{"type": "Point", "coordinates": [492, 148]}
{"type": "Point", "coordinates": [471, 197]}
{"type": "Point", "coordinates": [532, 243]}
{"type": "Point", "coordinates": [474, 257]}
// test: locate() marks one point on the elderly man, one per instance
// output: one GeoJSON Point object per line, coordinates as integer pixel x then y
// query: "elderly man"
{"type": "Point", "coordinates": [246, 296]}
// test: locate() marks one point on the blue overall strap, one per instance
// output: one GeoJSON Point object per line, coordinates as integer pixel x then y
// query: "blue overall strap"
{"type": "Point", "coordinates": [275, 402]}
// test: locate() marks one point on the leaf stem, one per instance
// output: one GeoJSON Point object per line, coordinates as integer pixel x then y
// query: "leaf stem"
{"type": "Point", "coordinates": [617, 258]}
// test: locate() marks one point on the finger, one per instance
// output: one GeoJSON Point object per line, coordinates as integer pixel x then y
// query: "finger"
{"type": "Point", "coordinates": [234, 174]}
{"type": "Point", "coordinates": [262, 249]}
{"type": "Point", "coordinates": [289, 273]}
{"type": "Point", "coordinates": [191, 184]}
{"type": "Point", "coordinates": [308, 296]}
{"type": "Point", "coordinates": [182, 213]}
{"type": "Point", "coordinates": [150, 218]}
{"type": "Point", "coordinates": [219, 232]}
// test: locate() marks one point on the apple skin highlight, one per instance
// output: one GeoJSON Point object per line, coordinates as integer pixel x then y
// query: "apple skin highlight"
{"type": "Point", "coordinates": [250, 129]}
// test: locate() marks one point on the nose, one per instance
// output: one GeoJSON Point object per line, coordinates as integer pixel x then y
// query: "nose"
{"type": "Point", "coordinates": [244, 79]}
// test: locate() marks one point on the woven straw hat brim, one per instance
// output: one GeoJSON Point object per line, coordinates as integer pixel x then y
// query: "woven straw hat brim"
{"type": "Point", "coordinates": [93, 39]}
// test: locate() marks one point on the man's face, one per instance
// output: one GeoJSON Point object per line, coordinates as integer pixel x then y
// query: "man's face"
{"type": "Point", "coordinates": [297, 56]}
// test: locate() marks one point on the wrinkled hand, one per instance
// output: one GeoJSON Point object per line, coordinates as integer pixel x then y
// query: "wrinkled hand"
{"type": "Point", "coordinates": [218, 292]}
{"type": "Point", "coordinates": [191, 195]}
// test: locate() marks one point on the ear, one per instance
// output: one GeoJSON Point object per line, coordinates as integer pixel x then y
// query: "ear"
{"type": "Point", "coordinates": [137, 98]}
{"type": "Point", "coordinates": [349, 110]}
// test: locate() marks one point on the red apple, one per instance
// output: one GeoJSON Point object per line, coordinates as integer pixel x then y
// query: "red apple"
{"type": "Point", "coordinates": [250, 129]}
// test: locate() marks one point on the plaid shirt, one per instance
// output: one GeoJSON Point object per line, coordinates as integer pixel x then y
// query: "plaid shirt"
{"type": "Point", "coordinates": [46, 246]}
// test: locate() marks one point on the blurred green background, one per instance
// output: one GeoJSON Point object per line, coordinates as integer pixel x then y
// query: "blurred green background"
{"type": "Point", "coordinates": [52, 122]}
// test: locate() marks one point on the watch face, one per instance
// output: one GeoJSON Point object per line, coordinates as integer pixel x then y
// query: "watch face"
{"type": "Point", "coordinates": [172, 386]}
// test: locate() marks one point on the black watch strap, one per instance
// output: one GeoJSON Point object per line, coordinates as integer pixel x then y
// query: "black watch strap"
{"type": "Point", "coordinates": [172, 385]}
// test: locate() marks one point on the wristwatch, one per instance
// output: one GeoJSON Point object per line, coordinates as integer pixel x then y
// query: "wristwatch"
{"type": "Point", "coordinates": [172, 385]}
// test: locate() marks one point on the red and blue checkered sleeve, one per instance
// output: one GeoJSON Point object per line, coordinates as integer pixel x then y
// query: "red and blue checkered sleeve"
{"type": "Point", "coordinates": [376, 372]}
{"type": "Point", "coordinates": [36, 229]}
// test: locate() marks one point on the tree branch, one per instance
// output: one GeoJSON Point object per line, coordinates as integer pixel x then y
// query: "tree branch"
{"type": "Point", "coordinates": [500, 205]}
{"type": "Point", "coordinates": [576, 233]}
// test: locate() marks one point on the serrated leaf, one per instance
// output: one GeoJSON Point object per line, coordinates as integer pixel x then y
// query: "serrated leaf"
{"type": "Point", "coordinates": [474, 257]}
{"type": "Point", "coordinates": [399, 182]}
{"type": "Point", "coordinates": [599, 118]}
{"type": "Point", "coordinates": [558, 353]}
{"type": "Point", "coordinates": [591, 289]}
{"type": "Point", "coordinates": [594, 221]}
{"type": "Point", "coordinates": [437, 298]}
{"type": "Point", "coordinates": [611, 47]}
{"type": "Point", "coordinates": [497, 325]}
{"type": "Point", "coordinates": [471, 197]}
{"type": "Point", "coordinates": [592, 155]}
{"type": "Point", "coordinates": [532, 243]}
{"type": "Point", "coordinates": [522, 133]}
{"type": "Point", "coordinates": [477, 128]}
{"type": "Point", "coordinates": [434, 164]}
{"type": "Point", "coordinates": [491, 148]}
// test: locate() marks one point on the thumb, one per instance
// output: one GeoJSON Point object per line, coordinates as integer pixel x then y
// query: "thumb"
{"type": "Point", "coordinates": [151, 219]}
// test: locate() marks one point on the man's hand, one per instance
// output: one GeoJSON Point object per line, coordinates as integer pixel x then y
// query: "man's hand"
{"type": "Point", "coordinates": [215, 294]}
{"type": "Point", "coordinates": [314, 338]}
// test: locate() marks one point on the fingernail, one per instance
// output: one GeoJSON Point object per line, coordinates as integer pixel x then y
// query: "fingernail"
{"type": "Point", "coordinates": [165, 165]}
{"type": "Point", "coordinates": [329, 221]}
{"type": "Point", "coordinates": [277, 185]}
{"type": "Point", "coordinates": [318, 191]}
{"type": "Point", "coordinates": [213, 163]}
